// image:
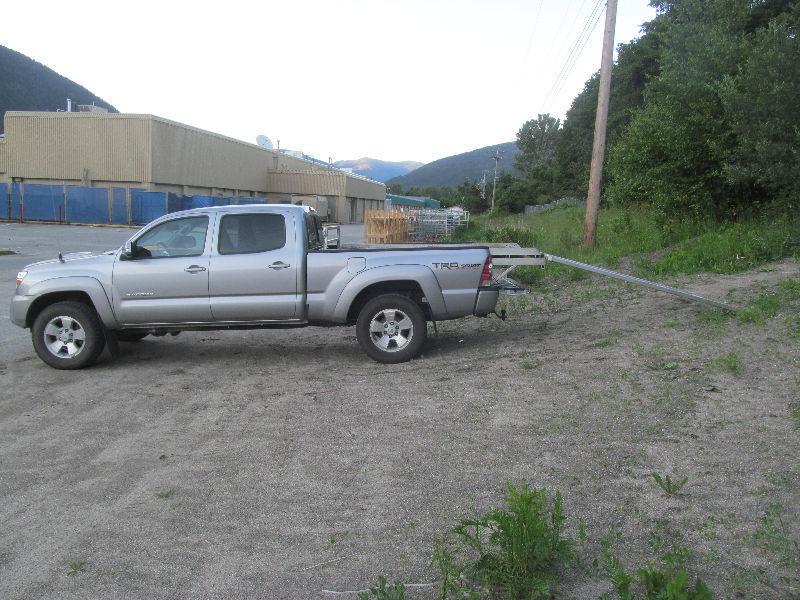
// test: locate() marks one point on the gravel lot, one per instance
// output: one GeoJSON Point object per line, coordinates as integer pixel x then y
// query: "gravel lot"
{"type": "Point", "coordinates": [277, 464]}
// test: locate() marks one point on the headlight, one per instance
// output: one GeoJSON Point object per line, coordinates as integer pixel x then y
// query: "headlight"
{"type": "Point", "coordinates": [20, 276]}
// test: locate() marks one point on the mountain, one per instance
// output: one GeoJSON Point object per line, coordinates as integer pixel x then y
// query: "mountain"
{"type": "Point", "coordinates": [28, 85]}
{"type": "Point", "coordinates": [452, 170]}
{"type": "Point", "coordinates": [379, 170]}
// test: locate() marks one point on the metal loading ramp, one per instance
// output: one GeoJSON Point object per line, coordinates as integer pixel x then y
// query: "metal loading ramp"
{"type": "Point", "coordinates": [512, 256]}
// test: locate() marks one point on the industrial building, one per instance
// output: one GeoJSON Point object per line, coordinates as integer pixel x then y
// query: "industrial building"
{"type": "Point", "coordinates": [70, 158]}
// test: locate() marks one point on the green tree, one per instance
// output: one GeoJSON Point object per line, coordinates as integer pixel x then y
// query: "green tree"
{"type": "Point", "coordinates": [762, 103]}
{"type": "Point", "coordinates": [536, 140]}
{"type": "Point", "coordinates": [675, 150]}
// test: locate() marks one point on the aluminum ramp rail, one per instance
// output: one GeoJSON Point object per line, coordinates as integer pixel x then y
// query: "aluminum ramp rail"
{"type": "Point", "coordinates": [514, 256]}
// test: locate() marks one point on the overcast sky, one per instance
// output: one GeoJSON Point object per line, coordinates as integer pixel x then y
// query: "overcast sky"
{"type": "Point", "coordinates": [390, 79]}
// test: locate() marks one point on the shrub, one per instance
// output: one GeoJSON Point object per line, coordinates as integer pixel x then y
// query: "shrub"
{"type": "Point", "coordinates": [517, 548]}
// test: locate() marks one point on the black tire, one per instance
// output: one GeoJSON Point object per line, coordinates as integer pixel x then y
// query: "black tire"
{"type": "Point", "coordinates": [404, 343]}
{"type": "Point", "coordinates": [64, 317]}
{"type": "Point", "coordinates": [131, 335]}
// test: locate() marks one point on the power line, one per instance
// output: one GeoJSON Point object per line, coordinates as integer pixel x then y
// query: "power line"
{"type": "Point", "coordinates": [574, 55]}
{"type": "Point", "coordinates": [575, 51]}
{"type": "Point", "coordinates": [533, 31]}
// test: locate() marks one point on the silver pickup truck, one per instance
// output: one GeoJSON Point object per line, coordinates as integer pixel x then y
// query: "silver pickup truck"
{"type": "Point", "coordinates": [239, 267]}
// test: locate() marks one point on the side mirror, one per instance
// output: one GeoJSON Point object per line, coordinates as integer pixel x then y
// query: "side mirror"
{"type": "Point", "coordinates": [332, 236]}
{"type": "Point", "coordinates": [128, 250]}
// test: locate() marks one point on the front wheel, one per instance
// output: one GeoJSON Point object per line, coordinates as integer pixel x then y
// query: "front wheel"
{"type": "Point", "coordinates": [391, 328]}
{"type": "Point", "coordinates": [68, 335]}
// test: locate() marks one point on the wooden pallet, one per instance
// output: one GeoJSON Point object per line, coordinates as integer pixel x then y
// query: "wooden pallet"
{"type": "Point", "coordinates": [386, 226]}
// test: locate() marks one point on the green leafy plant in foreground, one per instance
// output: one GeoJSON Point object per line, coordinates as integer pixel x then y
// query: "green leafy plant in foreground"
{"type": "Point", "coordinates": [665, 579]}
{"type": "Point", "coordinates": [395, 591]}
{"type": "Point", "coordinates": [517, 548]}
{"type": "Point", "coordinates": [671, 487]}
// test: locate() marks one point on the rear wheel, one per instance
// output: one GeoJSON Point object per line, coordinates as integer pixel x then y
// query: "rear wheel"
{"type": "Point", "coordinates": [130, 335]}
{"type": "Point", "coordinates": [391, 328]}
{"type": "Point", "coordinates": [68, 335]}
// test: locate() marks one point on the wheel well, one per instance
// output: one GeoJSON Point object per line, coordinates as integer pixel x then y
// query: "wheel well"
{"type": "Point", "coordinates": [46, 300]}
{"type": "Point", "coordinates": [412, 289]}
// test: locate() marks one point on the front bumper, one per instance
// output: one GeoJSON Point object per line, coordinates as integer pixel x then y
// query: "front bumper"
{"type": "Point", "coordinates": [487, 301]}
{"type": "Point", "coordinates": [19, 309]}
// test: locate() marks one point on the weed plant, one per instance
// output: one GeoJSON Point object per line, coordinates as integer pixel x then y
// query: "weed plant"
{"type": "Point", "coordinates": [510, 552]}
{"type": "Point", "coordinates": [664, 579]}
{"type": "Point", "coordinates": [382, 591]}
{"type": "Point", "coordinates": [671, 487]}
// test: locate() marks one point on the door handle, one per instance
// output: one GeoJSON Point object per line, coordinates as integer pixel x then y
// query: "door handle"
{"type": "Point", "coordinates": [194, 269]}
{"type": "Point", "coordinates": [277, 266]}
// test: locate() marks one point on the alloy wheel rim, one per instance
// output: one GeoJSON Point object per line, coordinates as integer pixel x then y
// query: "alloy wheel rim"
{"type": "Point", "coordinates": [391, 330]}
{"type": "Point", "coordinates": [64, 337]}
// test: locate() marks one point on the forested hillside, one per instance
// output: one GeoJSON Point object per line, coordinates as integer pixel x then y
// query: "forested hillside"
{"type": "Point", "coordinates": [28, 85]}
{"type": "Point", "coordinates": [453, 170]}
{"type": "Point", "coordinates": [703, 119]}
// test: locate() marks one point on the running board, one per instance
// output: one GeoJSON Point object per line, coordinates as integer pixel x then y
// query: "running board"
{"type": "Point", "coordinates": [639, 281]}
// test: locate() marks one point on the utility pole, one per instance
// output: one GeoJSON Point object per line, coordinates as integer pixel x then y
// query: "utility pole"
{"type": "Point", "coordinates": [599, 145]}
{"type": "Point", "coordinates": [494, 183]}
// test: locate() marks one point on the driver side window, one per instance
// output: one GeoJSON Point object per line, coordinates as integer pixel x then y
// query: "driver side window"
{"type": "Point", "coordinates": [178, 237]}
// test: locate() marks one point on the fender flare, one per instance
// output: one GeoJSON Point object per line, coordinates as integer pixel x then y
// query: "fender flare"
{"type": "Point", "coordinates": [80, 284]}
{"type": "Point", "coordinates": [419, 274]}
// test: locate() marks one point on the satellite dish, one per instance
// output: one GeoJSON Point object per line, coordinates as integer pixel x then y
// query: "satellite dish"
{"type": "Point", "coordinates": [264, 142]}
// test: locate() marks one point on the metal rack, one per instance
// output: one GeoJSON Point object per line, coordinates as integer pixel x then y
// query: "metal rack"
{"type": "Point", "coordinates": [512, 256]}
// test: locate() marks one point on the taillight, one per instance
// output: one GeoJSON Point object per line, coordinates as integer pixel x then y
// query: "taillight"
{"type": "Point", "coordinates": [486, 275]}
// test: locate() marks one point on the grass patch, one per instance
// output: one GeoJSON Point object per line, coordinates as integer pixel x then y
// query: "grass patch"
{"type": "Point", "coordinates": [728, 363]}
{"type": "Point", "coordinates": [75, 567]}
{"type": "Point", "coordinates": [6, 252]}
{"type": "Point", "coordinates": [692, 245]}
{"type": "Point", "coordinates": [774, 535]}
{"type": "Point", "coordinates": [795, 414]}
{"type": "Point", "coordinates": [165, 495]}
{"type": "Point", "coordinates": [531, 364]}
{"type": "Point", "coordinates": [662, 365]}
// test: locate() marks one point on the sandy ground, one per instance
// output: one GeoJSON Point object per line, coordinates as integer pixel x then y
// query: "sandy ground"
{"type": "Point", "coordinates": [277, 464]}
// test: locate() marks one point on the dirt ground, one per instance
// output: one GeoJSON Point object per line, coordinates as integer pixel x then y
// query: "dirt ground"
{"type": "Point", "coordinates": [277, 464]}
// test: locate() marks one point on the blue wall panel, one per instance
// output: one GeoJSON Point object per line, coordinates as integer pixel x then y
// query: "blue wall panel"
{"type": "Point", "coordinates": [175, 202]}
{"type": "Point", "coordinates": [87, 205]}
{"type": "Point", "coordinates": [16, 200]}
{"type": "Point", "coordinates": [199, 201]}
{"type": "Point", "coordinates": [119, 206]}
{"type": "Point", "coordinates": [253, 200]}
{"type": "Point", "coordinates": [43, 202]}
{"type": "Point", "coordinates": [146, 206]}
{"type": "Point", "coordinates": [5, 209]}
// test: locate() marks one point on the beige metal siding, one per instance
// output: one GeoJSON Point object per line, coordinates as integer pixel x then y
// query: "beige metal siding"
{"type": "Point", "coordinates": [3, 158]}
{"type": "Point", "coordinates": [317, 183]}
{"type": "Point", "coordinates": [364, 188]}
{"type": "Point", "coordinates": [64, 145]}
{"type": "Point", "coordinates": [184, 155]}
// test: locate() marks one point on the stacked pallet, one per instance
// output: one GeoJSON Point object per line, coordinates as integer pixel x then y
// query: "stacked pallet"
{"type": "Point", "coordinates": [386, 226]}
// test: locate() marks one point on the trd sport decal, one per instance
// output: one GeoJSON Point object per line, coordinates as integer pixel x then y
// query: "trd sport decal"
{"type": "Point", "coordinates": [454, 266]}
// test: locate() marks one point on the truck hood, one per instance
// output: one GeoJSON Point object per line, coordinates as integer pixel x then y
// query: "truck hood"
{"type": "Point", "coordinates": [88, 260]}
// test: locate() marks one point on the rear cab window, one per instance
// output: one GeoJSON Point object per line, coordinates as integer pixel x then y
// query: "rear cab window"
{"type": "Point", "coordinates": [251, 233]}
{"type": "Point", "coordinates": [313, 231]}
